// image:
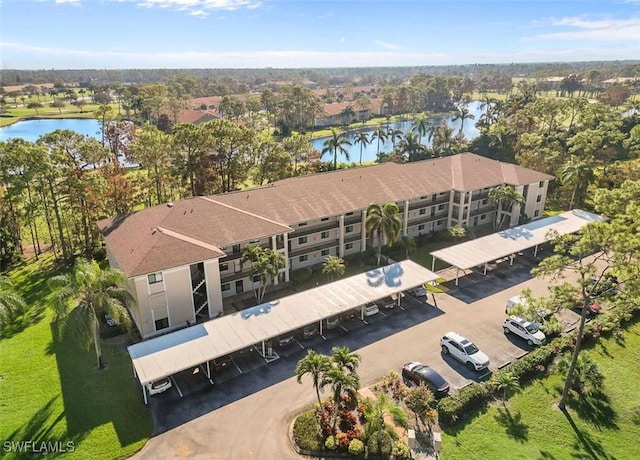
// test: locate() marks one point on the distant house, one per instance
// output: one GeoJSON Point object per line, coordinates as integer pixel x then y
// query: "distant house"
{"type": "Point", "coordinates": [333, 114]}
{"type": "Point", "coordinates": [183, 260]}
{"type": "Point", "coordinates": [619, 80]}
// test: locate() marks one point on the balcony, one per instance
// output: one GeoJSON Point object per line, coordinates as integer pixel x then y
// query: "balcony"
{"type": "Point", "coordinates": [308, 249]}
{"type": "Point", "coordinates": [304, 231]}
{"type": "Point", "coordinates": [426, 218]}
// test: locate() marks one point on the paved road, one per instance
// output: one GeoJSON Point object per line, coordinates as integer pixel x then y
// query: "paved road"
{"type": "Point", "coordinates": [248, 415]}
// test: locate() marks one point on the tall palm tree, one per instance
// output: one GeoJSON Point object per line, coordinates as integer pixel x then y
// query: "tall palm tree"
{"type": "Point", "coordinates": [421, 125]}
{"type": "Point", "coordinates": [463, 114]}
{"type": "Point", "coordinates": [383, 222]}
{"type": "Point", "coordinates": [394, 135]}
{"type": "Point", "coordinates": [341, 382]}
{"type": "Point", "coordinates": [380, 134]}
{"type": "Point", "coordinates": [505, 382]}
{"type": "Point", "coordinates": [11, 303]}
{"type": "Point", "coordinates": [410, 146]}
{"type": "Point", "coordinates": [315, 365]}
{"type": "Point", "coordinates": [333, 266]}
{"type": "Point", "coordinates": [336, 143]}
{"type": "Point", "coordinates": [93, 290]}
{"type": "Point", "coordinates": [347, 114]}
{"type": "Point", "coordinates": [504, 196]}
{"type": "Point", "coordinates": [586, 376]}
{"type": "Point", "coordinates": [581, 174]}
{"type": "Point", "coordinates": [362, 138]}
{"type": "Point", "coordinates": [345, 359]}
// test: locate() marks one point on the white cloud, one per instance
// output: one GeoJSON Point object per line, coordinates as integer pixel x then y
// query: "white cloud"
{"type": "Point", "coordinates": [199, 8]}
{"type": "Point", "coordinates": [68, 2]}
{"type": "Point", "coordinates": [576, 28]}
{"type": "Point", "coordinates": [389, 46]}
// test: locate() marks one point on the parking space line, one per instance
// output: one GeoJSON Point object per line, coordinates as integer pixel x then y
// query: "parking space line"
{"type": "Point", "coordinates": [344, 328]}
{"type": "Point", "coordinates": [382, 314]}
{"type": "Point", "coordinates": [205, 374]}
{"type": "Point", "coordinates": [237, 367]}
{"type": "Point", "coordinates": [176, 385]}
{"type": "Point", "coordinates": [299, 344]}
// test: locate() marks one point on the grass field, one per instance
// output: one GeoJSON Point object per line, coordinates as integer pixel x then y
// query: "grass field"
{"type": "Point", "coordinates": [603, 426]}
{"type": "Point", "coordinates": [50, 390]}
{"type": "Point", "coordinates": [14, 115]}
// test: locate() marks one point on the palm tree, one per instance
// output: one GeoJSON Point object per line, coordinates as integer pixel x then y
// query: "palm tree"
{"type": "Point", "coordinates": [504, 196]}
{"type": "Point", "coordinates": [579, 173]}
{"type": "Point", "coordinates": [505, 382]}
{"type": "Point", "coordinates": [94, 291]}
{"type": "Point", "coordinates": [345, 359]}
{"type": "Point", "coordinates": [336, 144]}
{"type": "Point", "coordinates": [381, 135]}
{"type": "Point", "coordinates": [421, 125]}
{"type": "Point", "coordinates": [315, 365]}
{"type": "Point", "coordinates": [394, 135]}
{"type": "Point", "coordinates": [265, 264]}
{"type": "Point", "coordinates": [11, 303]}
{"type": "Point", "coordinates": [410, 145]}
{"type": "Point", "coordinates": [347, 114]}
{"type": "Point", "coordinates": [463, 114]}
{"type": "Point", "coordinates": [333, 266]}
{"type": "Point", "coordinates": [586, 376]}
{"type": "Point", "coordinates": [383, 222]}
{"type": "Point", "coordinates": [382, 407]}
{"type": "Point", "coordinates": [362, 138]}
{"type": "Point", "coordinates": [341, 382]}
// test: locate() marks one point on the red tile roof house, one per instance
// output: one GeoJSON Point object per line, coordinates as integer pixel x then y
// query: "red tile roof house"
{"type": "Point", "coordinates": [182, 259]}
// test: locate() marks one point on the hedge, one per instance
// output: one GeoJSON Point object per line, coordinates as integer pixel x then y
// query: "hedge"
{"type": "Point", "coordinates": [306, 433]}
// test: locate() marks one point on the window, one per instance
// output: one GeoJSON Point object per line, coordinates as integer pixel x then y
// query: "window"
{"type": "Point", "coordinates": [485, 201]}
{"type": "Point", "coordinates": [440, 207]}
{"type": "Point", "coordinates": [303, 258]}
{"type": "Point", "coordinates": [482, 217]}
{"type": "Point", "coordinates": [162, 323]}
{"type": "Point", "coordinates": [302, 240]}
{"type": "Point", "coordinates": [256, 278]}
{"type": "Point", "coordinates": [302, 224]}
{"type": "Point", "coordinates": [348, 246]}
{"type": "Point", "coordinates": [440, 222]}
{"type": "Point", "coordinates": [538, 198]}
{"type": "Point", "coordinates": [348, 229]}
{"type": "Point", "coordinates": [324, 235]}
{"type": "Point", "coordinates": [155, 278]}
{"type": "Point", "coordinates": [536, 213]}
{"type": "Point", "coordinates": [434, 197]}
{"type": "Point", "coordinates": [325, 252]}
{"type": "Point", "coordinates": [423, 211]}
{"type": "Point", "coordinates": [541, 184]}
{"type": "Point", "coordinates": [420, 227]}
{"type": "Point", "coordinates": [239, 286]}
{"type": "Point", "coordinates": [433, 212]}
{"type": "Point", "coordinates": [349, 213]}
{"type": "Point", "coordinates": [236, 249]}
{"type": "Point", "coordinates": [224, 266]}
{"type": "Point", "coordinates": [423, 197]}
{"type": "Point", "coordinates": [324, 219]}
{"type": "Point", "coordinates": [225, 287]}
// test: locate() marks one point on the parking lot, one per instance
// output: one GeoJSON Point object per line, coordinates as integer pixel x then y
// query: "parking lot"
{"type": "Point", "coordinates": [267, 394]}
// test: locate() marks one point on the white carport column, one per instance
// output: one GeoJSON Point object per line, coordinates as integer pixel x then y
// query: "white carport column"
{"type": "Point", "coordinates": [287, 268]}
{"type": "Point", "coordinates": [144, 393]}
{"type": "Point", "coordinates": [363, 231]}
{"type": "Point", "coordinates": [405, 225]}
{"type": "Point", "coordinates": [341, 235]}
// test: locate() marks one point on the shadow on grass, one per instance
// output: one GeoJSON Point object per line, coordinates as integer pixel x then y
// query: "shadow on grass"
{"type": "Point", "coordinates": [595, 408]}
{"type": "Point", "coordinates": [35, 436]}
{"type": "Point", "coordinates": [514, 427]}
{"type": "Point", "coordinates": [584, 441]}
{"type": "Point", "coordinates": [544, 455]}
{"type": "Point", "coordinates": [94, 397]}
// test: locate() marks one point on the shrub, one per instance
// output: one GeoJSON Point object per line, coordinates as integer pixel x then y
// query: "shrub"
{"type": "Point", "coordinates": [330, 443]}
{"type": "Point", "coordinates": [380, 443]}
{"type": "Point", "coordinates": [470, 397]}
{"type": "Point", "coordinates": [401, 450]}
{"type": "Point", "coordinates": [356, 447]}
{"type": "Point", "coordinates": [306, 433]}
{"type": "Point", "coordinates": [529, 366]}
{"type": "Point", "coordinates": [302, 275]}
{"type": "Point", "coordinates": [343, 440]}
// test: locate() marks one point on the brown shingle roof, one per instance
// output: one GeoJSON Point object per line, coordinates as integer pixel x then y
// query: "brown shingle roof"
{"type": "Point", "coordinates": [188, 231]}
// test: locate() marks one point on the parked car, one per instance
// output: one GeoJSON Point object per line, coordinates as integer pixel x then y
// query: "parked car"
{"type": "Point", "coordinates": [386, 303]}
{"type": "Point", "coordinates": [159, 386]}
{"type": "Point", "coordinates": [524, 329]}
{"type": "Point", "coordinates": [371, 309]}
{"type": "Point", "coordinates": [416, 373]}
{"type": "Point", "coordinates": [464, 351]}
{"type": "Point", "coordinates": [284, 340]}
{"type": "Point", "coordinates": [332, 322]}
{"type": "Point", "coordinates": [605, 286]}
{"type": "Point", "coordinates": [109, 321]}
{"type": "Point", "coordinates": [309, 331]}
{"type": "Point", "coordinates": [221, 363]}
{"type": "Point", "coordinates": [519, 300]}
{"type": "Point", "coordinates": [419, 291]}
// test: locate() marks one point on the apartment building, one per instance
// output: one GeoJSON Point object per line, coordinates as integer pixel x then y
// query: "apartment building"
{"type": "Point", "coordinates": [183, 259]}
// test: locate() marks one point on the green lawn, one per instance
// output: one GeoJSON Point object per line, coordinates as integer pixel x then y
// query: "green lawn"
{"type": "Point", "coordinates": [51, 391]}
{"type": "Point", "coordinates": [530, 427]}
{"type": "Point", "coordinates": [14, 115]}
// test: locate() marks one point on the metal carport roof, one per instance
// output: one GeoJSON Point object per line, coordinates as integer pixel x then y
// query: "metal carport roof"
{"type": "Point", "coordinates": [185, 349]}
{"type": "Point", "coordinates": [514, 240]}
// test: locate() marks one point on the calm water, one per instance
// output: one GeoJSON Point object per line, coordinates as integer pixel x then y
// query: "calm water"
{"type": "Point", "coordinates": [370, 151]}
{"type": "Point", "coordinates": [31, 130]}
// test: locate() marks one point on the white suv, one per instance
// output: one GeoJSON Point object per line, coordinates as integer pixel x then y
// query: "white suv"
{"type": "Point", "coordinates": [528, 331]}
{"type": "Point", "coordinates": [464, 351]}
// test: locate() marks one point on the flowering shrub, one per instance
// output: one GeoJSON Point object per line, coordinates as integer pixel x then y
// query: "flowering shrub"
{"type": "Point", "coordinates": [356, 447]}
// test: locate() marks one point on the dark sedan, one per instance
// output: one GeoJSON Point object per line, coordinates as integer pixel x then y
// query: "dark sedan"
{"type": "Point", "coordinates": [419, 374]}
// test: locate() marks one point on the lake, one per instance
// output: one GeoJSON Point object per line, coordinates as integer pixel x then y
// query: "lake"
{"type": "Point", "coordinates": [31, 130]}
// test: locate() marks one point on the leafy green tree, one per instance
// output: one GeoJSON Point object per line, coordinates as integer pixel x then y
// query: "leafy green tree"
{"type": "Point", "coordinates": [333, 266]}
{"type": "Point", "coordinates": [11, 302]}
{"type": "Point", "coordinates": [419, 400]}
{"type": "Point", "coordinates": [506, 383]}
{"type": "Point", "coordinates": [151, 150]}
{"type": "Point", "coordinates": [299, 147]}
{"type": "Point", "coordinates": [383, 223]}
{"type": "Point", "coordinates": [334, 144]}
{"type": "Point", "coordinates": [94, 291]}
{"type": "Point", "coordinates": [380, 408]}
{"type": "Point", "coordinates": [586, 377]}
{"type": "Point", "coordinates": [580, 174]}
{"type": "Point", "coordinates": [504, 197]}
{"type": "Point", "coordinates": [362, 138]}
{"type": "Point", "coordinates": [265, 263]}
{"type": "Point", "coordinates": [314, 365]}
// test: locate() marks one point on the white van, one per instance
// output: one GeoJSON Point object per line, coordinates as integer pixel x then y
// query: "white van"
{"type": "Point", "coordinates": [515, 300]}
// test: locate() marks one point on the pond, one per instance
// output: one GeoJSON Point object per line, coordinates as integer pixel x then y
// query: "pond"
{"type": "Point", "coordinates": [31, 130]}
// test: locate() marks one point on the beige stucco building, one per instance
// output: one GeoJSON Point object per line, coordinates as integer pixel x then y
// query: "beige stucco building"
{"type": "Point", "coordinates": [183, 259]}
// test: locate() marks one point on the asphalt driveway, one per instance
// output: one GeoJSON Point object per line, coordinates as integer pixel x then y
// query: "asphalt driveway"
{"type": "Point", "coordinates": [246, 414]}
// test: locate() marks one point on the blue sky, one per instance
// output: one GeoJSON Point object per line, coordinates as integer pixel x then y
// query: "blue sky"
{"type": "Point", "coordinates": [74, 34]}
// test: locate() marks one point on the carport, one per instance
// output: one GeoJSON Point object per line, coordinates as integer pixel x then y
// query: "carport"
{"type": "Point", "coordinates": [505, 245]}
{"type": "Point", "coordinates": [188, 348]}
